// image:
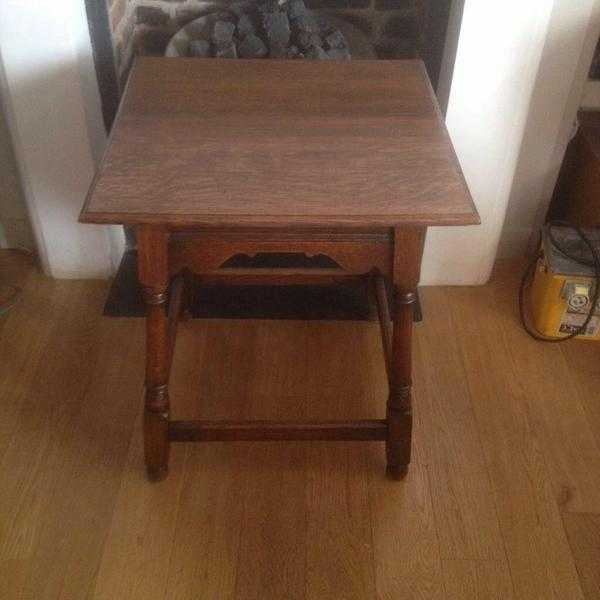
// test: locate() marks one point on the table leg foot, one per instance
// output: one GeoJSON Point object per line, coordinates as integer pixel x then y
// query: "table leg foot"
{"type": "Point", "coordinates": [156, 474]}
{"type": "Point", "coordinates": [156, 445]}
{"type": "Point", "coordinates": [398, 443]}
{"type": "Point", "coordinates": [396, 472]}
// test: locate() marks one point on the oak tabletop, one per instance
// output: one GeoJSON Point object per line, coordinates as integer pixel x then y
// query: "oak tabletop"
{"type": "Point", "coordinates": [279, 142]}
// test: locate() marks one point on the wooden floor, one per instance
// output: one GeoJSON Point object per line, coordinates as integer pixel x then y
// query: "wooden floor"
{"type": "Point", "coordinates": [502, 500]}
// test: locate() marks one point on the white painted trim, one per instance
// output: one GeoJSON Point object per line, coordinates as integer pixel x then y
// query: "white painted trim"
{"type": "Point", "coordinates": [51, 101]}
{"type": "Point", "coordinates": [6, 106]}
{"type": "Point", "coordinates": [497, 61]}
{"type": "Point", "coordinates": [573, 31]}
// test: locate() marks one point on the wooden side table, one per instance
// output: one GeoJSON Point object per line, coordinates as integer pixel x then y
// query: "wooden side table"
{"type": "Point", "coordinates": [348, 162]}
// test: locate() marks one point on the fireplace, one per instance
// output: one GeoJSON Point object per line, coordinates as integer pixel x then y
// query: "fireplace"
{"type": "Point", "coordinates": [121, 29]}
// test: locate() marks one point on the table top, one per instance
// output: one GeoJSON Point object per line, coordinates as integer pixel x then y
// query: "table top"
{"type": "Point", "coordinates": [278, 142]}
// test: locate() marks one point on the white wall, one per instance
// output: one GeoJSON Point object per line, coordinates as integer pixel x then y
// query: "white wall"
{"type": "Point", "coordinates": [497, 61]}
{"type": "Point", "coordinates": [51, 101]}
{"type": "Point", "coordinates": [573, 31]}
{"type": "Point", "coordinates": [15, 231]}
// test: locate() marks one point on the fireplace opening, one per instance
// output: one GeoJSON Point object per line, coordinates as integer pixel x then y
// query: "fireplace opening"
{"type": "Point", "coordinates": [383, 29]}
{"type": "Point", "coordinates": [270, 29]}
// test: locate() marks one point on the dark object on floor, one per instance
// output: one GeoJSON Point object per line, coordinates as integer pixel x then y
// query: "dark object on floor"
{"type": "Point", "coordinates": [567, 248]}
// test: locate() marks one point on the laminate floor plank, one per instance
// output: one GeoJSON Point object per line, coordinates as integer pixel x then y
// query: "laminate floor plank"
{"type": "Point", "coordinates": [406, 545]}
{"type": "Point", "coordinates": [87, 484]}
{"type": "Point", "coordinates": [340, 556]}
{"type": "Point", "coordinates": [39, 409]}
{"type": "Point", "coordinates": [26, 337]}
{"type": "Point", "coordinates": [538, 554]}
{"type": "Point", "coordinates": [139, 545]}
{"type": "Point", "coordinates": [554, 403]}
{"type": "Point", "coordinates": [405, 540]}
{"type": "Point", "coordinates": [272, 556]}
{"type": "Point", "coordinates": [61, 470]}
{"type": "Point", "coordinates": [583, 360]}
{"type": "Point", "coordinates": [207, 535]}
{"type": "Point", "coordinates": [477, 580]}
{"type": "Point", "coordinates": [463, 501]}
{"type": "Point", "coordinates": [583, 531]}
{"type": "Point", "coordinates": [498, 503]}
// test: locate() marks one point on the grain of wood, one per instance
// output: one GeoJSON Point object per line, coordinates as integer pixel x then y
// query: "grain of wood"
{"type": "Point", "coordinates": [30, 322]}
{"type": "Point", "coordinates": [139, 544]}
{"type": "Point", "coordinates": [13, 578]}
{"type": "Point", "coordinates": [555, 406]}
{"type": "Point", "coordinates": [79, 520]}
{"type": "Point", "coordinates": [583, 531]}
{"type": "Point", "coordinates": [272, 553]}
{"type": "Point", "coordinates": [463, 501]}
{"type": "Point", "coordinates": [206, 544]}
{"type": "Point", "coordinates": [583, 360]}
{"type": "Point", "coordinates": [47, 395]}
{"type": "Point", "coordinates": [477, 580]}
{"type": "Point", "coordinates": [211, 142]}
{"type": "Point", "coordinates": [406, 547]}
{"type": "Point", "coordinates": [87, 483]}
{"type": "Point", "coordinates": [33, 323]}
{"type": "Point", "coordinates": [61, 491]}
{"type": "Point", "coordinates": [273, 545]}
{"type": "Point", "coordinates": [534, 540]}
{"type": "Point", "coordinates": [405, 540]}
{"type": "Point", "coordinates": [338, 494]}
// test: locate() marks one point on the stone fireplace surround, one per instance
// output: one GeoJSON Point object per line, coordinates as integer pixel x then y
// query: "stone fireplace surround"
{"type": "Point", "coordinates": [396, 28]}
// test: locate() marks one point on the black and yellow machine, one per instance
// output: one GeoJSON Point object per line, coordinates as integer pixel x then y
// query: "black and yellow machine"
{"type": "Point", "coordinates": [563, 295]}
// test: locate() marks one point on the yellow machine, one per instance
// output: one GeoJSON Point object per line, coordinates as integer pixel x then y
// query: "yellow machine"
{"type": "Point", "coordinates": [562, 289]}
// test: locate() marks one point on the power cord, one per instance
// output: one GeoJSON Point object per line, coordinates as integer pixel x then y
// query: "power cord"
{"type": "Point", "coordinates": [594, 262]}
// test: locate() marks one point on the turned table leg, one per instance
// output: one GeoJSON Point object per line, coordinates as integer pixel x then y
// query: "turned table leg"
{"type": "Point", "coordinates": [408, 250]}
{"type": "Point", "coordinates": [154, 277]}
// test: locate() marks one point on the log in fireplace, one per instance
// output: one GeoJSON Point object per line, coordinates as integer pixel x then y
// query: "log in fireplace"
{"type": "Point", "coordinates": [122, 29]}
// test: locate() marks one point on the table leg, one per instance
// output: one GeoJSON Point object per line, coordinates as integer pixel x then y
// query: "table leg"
{"type": "Point", "coordinates": [408, 250]}
{"type": "Point", "coordinates": [188, 296]}
{"type": "Point", "coordinates": [153, 276]}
